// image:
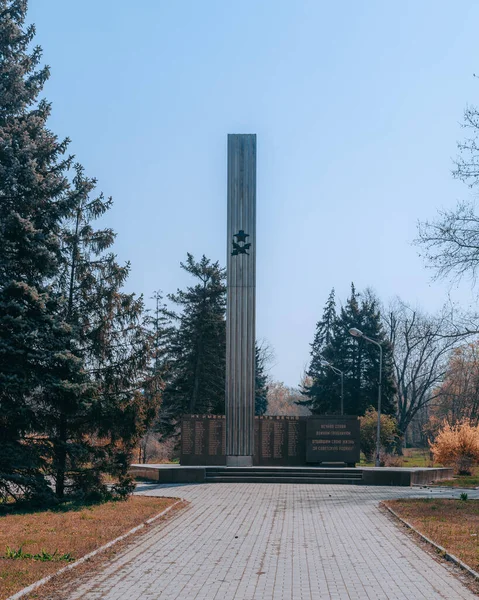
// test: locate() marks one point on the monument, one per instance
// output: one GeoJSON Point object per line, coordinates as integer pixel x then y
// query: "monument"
{"type": "Point", "coordinates": [239, 439]}
{"type": "Point", "coordinates": [241, 300]}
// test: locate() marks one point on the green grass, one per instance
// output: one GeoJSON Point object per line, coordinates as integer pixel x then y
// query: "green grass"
{"type": "Point", "coordinates": [461, 481]}
{"type": "Point", "coordinates": [418, 457]}
{"type": "Point", "coordinates": [413, 457]}
{"type": "Point", "coordinates": [43, 555]}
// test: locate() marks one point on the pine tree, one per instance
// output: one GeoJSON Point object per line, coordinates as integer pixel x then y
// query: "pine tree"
{"type": "Point", "coordinates": [261, 380]}
{"type": "Point", "coordinates": [197, 380]}
{"type": "Point", "coordinates": [33, 201]}
{"type": "Point", "coordinates": [358, 359]}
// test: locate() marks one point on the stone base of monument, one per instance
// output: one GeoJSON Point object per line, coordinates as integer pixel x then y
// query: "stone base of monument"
{"type": "Point", "coordinates": [177, 474]}
{"type": "Point", "coordinates": [239, 461]}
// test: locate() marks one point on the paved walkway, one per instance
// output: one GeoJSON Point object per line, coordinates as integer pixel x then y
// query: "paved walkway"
{"type": "Point", "coordinates": [275, 542]}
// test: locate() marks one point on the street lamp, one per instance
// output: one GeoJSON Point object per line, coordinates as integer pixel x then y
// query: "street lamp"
{"type": "Point", "coordinates": [358, 333]}
{"type": "Point", "coordinates": [325, 363]}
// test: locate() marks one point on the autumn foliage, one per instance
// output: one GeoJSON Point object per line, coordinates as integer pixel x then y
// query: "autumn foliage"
{"type": "Point", "coordinates": [458, 396]}
{"type": "Point", "coordinates": [369, 431]}
{"type": "Point", "coordinates": [458, 446]}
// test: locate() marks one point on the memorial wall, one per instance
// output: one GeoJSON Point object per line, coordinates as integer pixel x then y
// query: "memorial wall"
{"type": "Point", "coordinates": [203, 440]}
{"type": "Point", "coordinates": [278, 441]}
{"type": "Point", "coordinates": [332, 439]}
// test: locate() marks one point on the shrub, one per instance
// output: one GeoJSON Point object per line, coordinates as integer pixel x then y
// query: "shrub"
{"type": "Point", "coordinates": [150, 450]}
{"type": "Point", "coordinates": [391, 460]}
{"type": "Point", "coordinates": [368, 432]}
{"type": "Point", "coordinates": [457, 446]}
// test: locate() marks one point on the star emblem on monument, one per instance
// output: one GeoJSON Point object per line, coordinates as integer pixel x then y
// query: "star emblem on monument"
{"type": "Point", "coordinates": [240, 246]}
{"type": "Point", "coordinates": [241, 236]}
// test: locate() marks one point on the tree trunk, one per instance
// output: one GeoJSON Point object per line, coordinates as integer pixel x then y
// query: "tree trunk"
{"type": "Point", "coordinates": [61, 451]}
{"type": "Point", "coordinates": [399, 444]}
{"type": "Point", "coordinates": [61, 458]}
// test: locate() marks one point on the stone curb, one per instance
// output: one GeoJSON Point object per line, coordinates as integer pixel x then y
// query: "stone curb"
{"type": "Point", "coordinates": [439, 549]}
{"type": "Point", "coordinates": [83, 559]}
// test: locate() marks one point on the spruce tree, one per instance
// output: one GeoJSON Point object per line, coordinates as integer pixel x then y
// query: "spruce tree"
{"type": "Point", "coordinates": [97, 413]}
{"type": "Point", "coordinates": [358, 359]}
{"type": "Point", "coordinates": [261, 380]}
{"type": "Point", "coordinates": [33, 202]}
{"type": "Point", "coordinates": [325, 327]}
{"type": "Point", "coordinates": [197, 380]}
{"type": "Point", "coordinates": [324, 383]}
{"type": "Point", "coordinates": [74, 349]}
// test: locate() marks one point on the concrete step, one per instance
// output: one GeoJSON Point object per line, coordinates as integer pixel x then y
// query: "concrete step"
{"type": "Point", "coordinates": [281, 479]}
{"type": "Point", "coordinates": [346, 476]}
{"type": "Point", "coordinates": [290, 475]}
{"type": "Point", "coordinates": [344, 471]}
{"type": "Point", "coordinates": [278, 472]}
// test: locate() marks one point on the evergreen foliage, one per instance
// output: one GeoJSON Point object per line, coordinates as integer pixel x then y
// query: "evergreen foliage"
{"type": "Point", "coordinates": [159, 322]}
{"type": "Point", "coordinates": [96, 414]}
{"type": "Point", "coordinates": [323, 391]}
{"type": "Point", "coordinates": [325, 327]}
{"type": "Point", "coordinates": [33, 201]}
{"type": "Point", "coordinates": [198, 351]}
{"type": "Point", "coordinates": [194, 352]}
{"type": "Point", "coordinates": [162, 332]}
{"type": "Point", "coordinates": [261, 381]}
{"type": "Point", "coordinates": [75, 382]}
{"type": "Point", "coordinates": [358, 359]}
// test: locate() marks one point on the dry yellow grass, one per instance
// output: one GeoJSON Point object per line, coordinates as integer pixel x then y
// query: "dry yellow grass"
{"type": "Point", "coordinates": [452, 524]}
{"type": "Point", "coordinates": [74, 531]}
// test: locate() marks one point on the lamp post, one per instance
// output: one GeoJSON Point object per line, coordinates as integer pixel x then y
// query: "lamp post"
{"type": "Point", "coordinates": [357, 333]}
{"type": "Point", "coordinates": [325, 363]}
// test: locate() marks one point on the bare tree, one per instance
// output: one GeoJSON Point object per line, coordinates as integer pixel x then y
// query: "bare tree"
{"type": "Point", "coordinates": [421, 351]}
{"type": "Point", "coordinates": [267, 354]}
{"type": "Point", "coordinates": [283, 400]}
{"type": "Point", "coordinates": [451, 243]}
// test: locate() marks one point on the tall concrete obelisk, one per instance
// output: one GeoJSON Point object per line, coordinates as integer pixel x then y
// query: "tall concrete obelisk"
{"type": "Point", "coordinates": [241, 299]}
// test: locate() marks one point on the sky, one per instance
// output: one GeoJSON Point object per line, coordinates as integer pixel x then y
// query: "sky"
{"type": "Point", "coordinates": [357, 107]}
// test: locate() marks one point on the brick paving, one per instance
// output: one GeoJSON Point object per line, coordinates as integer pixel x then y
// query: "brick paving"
{"type": "Point", "coordinates": [276, 541]}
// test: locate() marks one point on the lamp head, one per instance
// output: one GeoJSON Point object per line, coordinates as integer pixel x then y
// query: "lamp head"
{"type": "Point", "coordinates": [324, 363]}
{"type": "Point", "coordinates": [356, 332]}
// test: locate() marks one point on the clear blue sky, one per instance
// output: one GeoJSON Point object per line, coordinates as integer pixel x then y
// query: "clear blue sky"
{"type": "Point", "coordinates": [357, 107]}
